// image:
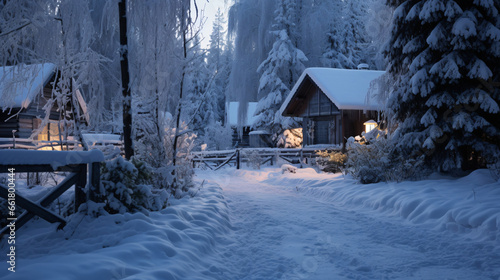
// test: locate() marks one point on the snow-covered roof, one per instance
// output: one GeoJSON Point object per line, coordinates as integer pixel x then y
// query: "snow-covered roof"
{"type": "Point", "coordinates": [19, 84]}
{"type": "Point", "coordinates": [346, 88]}
{"type": "Point", "coordinates": [232, 113]}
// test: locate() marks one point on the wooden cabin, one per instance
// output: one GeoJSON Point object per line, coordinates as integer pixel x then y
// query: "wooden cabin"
{"type": "Point", "coordinates": [24, 91]}
{"type": "Point", "coordinates": [332, 104]}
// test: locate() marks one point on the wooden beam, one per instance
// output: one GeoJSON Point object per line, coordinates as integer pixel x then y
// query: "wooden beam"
{"type": "Point", "coordinates": [237, 154]}
{"type": "Point", "coordinates": [32, 207]}
{"type": "Point", "coordinates": [48, 199]}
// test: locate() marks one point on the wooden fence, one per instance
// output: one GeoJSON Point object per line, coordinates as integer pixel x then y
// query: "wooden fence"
{"type": "Point", "coordinates": [214, 160]}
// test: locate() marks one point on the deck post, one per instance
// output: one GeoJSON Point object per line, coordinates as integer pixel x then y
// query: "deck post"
{"type": "Point", "coordinates": [95, 181]}
{"type": "Point", "coordinates": [80, 196]}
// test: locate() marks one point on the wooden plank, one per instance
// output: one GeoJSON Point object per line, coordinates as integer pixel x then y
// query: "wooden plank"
{"type": "Point", "coordinates": [48, 199]}
{"type": "Point", "coordinates": [208, 165]}
{"type": "Point", "coordinates": [26, 119]}
{"type": "Point", "coordinates": [32, 207]}
{"type": "Point", "coordinates": [266, 160]}
{"type": "Point", "coordinates": [229, 159]}
{"type": "Point", "coordinates": [8, 125]}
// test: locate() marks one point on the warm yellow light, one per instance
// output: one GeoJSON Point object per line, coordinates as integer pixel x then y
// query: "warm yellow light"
{"type": "Point", "coordinates": [370, 125]}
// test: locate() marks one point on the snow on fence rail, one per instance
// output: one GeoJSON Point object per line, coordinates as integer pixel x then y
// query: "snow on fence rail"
{"type": "Point", "coordinates": [217, 159]}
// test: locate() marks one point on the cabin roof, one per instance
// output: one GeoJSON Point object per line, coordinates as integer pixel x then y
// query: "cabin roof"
{"type": "Point", "coordinates": [20, 84]}
{"type": "Point", "coordinates": [346, 88]}
{"type": "Point", "coordinates": [232, 113]}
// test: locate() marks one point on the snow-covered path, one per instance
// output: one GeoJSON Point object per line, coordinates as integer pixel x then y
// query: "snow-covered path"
{"type": "Point", "coordinates": [281, 233]}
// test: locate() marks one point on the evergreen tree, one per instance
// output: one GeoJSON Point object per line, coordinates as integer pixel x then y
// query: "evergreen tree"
{"type": "Point", "coordinates": [218, 64]}
{"type": "Point", "coordinates": [216, 42]}
{"type": "Point", "coordinates": [347, 40]}
{"type": "Point", "coordinates": [280, 70]}
{"type": "Point", "coordinates": [445, 58]}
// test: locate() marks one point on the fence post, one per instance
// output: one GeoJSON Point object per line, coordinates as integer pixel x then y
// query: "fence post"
{"type": "Point", "coordinates": [301, 156]}
{"type": "Point", "coordinates": [237, 158]}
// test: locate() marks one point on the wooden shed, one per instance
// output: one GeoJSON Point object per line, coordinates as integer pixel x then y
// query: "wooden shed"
{"type": "Point", "coordinates": [241, 121]}
{"type": "Point", "coordinates": [332, 104]}
{"type": "Point", "coordinates": [24, 92]}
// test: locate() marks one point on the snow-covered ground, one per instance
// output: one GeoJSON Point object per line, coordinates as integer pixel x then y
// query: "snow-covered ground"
{"type": "Point", "coordinates": [262, 224]}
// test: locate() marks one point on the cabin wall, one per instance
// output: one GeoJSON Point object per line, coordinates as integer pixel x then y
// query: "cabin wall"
{"type": "Point", "coordinates": [315, 128]}
{"type": "Point", "coordinates": [318, 104]}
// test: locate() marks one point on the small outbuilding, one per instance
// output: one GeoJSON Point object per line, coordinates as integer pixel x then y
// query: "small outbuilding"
{"type": "Point", "coordinates": [25, 91]}
{"type": "Point", "coordinates": [245, 137]}
{"type": "Point", "coordinates": [332, 104]}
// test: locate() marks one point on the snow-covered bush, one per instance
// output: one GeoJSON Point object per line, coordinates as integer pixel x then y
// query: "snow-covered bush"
{"type": "Point", "coordinates": [288, 168]}
{"type": "Point", "coordinates": [331, 161]}
{"type": "Point", "coordinates": [380, 161]}
{"type": "Point", "coordinates": [290, 138]}
{"type": "Point", "coordinates": [178, 176]}
{"type": "Point", "coordinates": [254, 158]}
{"type": "Point", "coordinates": [126, 187]}
{"type": "Point", "coordinates": [217, 137]}
{"type": "Point", "coordinates": [495, 170]}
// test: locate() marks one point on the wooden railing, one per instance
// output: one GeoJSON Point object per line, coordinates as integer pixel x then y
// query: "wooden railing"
{"type": "Point", "coordinates": [85, 176]}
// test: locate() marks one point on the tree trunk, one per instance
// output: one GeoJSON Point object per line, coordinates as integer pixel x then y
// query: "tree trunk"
{"type": "Point", "coordinates": [179, 107]}
{"type": "Point", "coordinates": [127, 99]}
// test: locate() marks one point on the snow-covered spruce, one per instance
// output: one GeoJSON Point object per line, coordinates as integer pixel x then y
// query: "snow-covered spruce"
{"type": "Point", "coordinates": [445, 59]}
{"type": "Point", "coordinates": [279, 71]}
{"type": "Point", "coordinates": [127, 187]}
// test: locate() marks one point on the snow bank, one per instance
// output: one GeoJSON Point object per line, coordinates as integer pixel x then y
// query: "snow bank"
{"type": "Point", "coordinates": [466, 205]}
{"type": "Point", "coordinates": [174, 243]}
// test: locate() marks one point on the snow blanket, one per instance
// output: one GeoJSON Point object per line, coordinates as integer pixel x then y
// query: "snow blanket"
{"type": "Point", "coordinates": [175, 243]}
{"type": "Point", "coordinates": [323, 226]}
{"type": "Point", "coordinates": [468, 205]}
